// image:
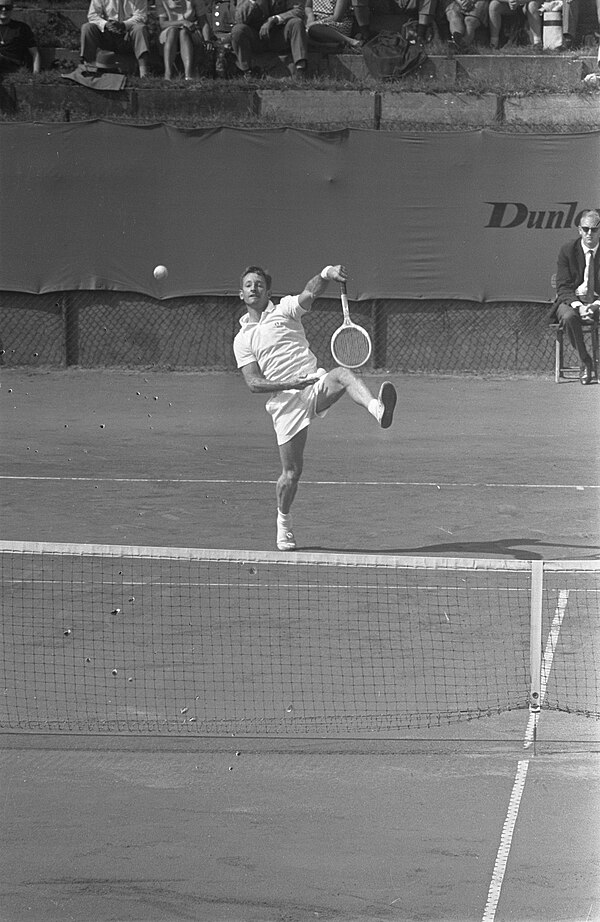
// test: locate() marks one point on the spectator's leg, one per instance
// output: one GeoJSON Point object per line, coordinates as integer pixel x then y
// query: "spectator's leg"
{"type": "Point", "coordinates": [244, 41]}
{"type": "Point", "coordinates": [495, 11]}
{"type": "Point", "coordinates": [570, 19]}
{"type": "Point", "coordinates": [321, 32]}
{"type": "Point", "coordinates": [169, 52]}
{"type": "Point", "coordinates": [471, 25]}
{"type": "Point", "coordinates": [571, 322]}
{"type": "Point", "coordinates": [426, 10]}
{"type": "Point", "coordinates": [137, 37]}
{"type": "Point", "coordinates": [475, 20]}
{"type": "Point", "coordinates": [7, 65]}
{"type": "Point", "coordinates": [92, 38]}
{"type": "Point", "coordinates": [362, 15]}
{"type": "Point", "coordinates": [186, 49]}
{"type": "Point", "coordinates": [455, 22]}
{"type": "Point", "coordinates": [296, 39]}
{"type": "Point", "coordinates": [534, 19]}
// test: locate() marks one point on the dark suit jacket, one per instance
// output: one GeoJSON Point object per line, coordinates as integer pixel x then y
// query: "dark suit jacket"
{"type": "Point", "coordinates": [570, 271]}
{"type": "Point", "coordinates": [256, 13]}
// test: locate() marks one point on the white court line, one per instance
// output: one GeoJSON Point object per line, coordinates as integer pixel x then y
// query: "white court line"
{"type": "Point", "coordinates": [317, 483]}
{"type": "Point", "coordinates": [551, 643]}
{"type": "Point", "coordinates": [505, 842]}
{"type": "Point", "coordinates": [508, 829]}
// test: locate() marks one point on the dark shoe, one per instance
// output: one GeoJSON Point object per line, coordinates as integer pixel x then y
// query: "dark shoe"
{"type": "Point", "coordinates": [585, 372]}
{"type": "Point", "coordinates": [300, 71]}
{"type": "Point", "coordinates": [455, 44]}
{"type": "Point", "coordinates": [365, 35]}
{"type": "Point", "coordinates": [567, 43]}
{"type": "Point", "coordinates": [248, 75]}
{"type": "Point", "coordinates": [387, 401]}
{"type": "Point", "coordinates": [538, 48]}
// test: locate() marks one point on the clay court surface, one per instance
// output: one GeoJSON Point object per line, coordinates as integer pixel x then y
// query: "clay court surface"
{"type": "Point", "coordinates": [462, 822]}
{"type": "Point", "coordinates": [471, 468]}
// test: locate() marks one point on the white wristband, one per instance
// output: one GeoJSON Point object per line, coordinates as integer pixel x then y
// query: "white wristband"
{"type": "Point", "coordinates": [326, 272]}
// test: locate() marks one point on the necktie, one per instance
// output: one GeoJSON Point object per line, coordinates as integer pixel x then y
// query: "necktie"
{"type": "Point", "coordinates": [588, 278]}
{"type": "Point", "coordinates": [121, 11]}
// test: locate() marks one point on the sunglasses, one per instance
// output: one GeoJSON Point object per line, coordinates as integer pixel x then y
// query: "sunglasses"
{"type": "Point", "coordinates": [586, 230]}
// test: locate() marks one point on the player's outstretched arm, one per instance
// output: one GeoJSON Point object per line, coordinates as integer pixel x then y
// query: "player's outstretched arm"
{"type": "Point", "coordinates": [258, 384]}
{"type": "Point", "coordinates": [318, 284]}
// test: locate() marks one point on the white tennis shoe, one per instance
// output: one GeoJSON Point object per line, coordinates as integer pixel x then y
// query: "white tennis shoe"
{"type": "Point", "coordinates": [285, 539]}
{"type": "Point", "coordinates": [387, 401]}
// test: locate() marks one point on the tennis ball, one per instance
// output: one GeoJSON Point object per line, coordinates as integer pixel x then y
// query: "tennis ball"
{"type": "Point", "coordinates": [161, 272]}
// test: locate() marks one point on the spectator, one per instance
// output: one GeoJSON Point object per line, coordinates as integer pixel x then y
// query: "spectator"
{"type": "Point", "coordinates": [578, 286]}
{"type": "Point", "coordinates": [184, 29]}
{"type": "Point", "coordinates": [119, 26]}
{"type": "Point", "coordinates": [464, 17]}
{"type": "Point", "coordinates": [530, 8]}
{"type": "Point", "coordinates": [424, 10]}
{"type": "Point", "coordinates": [17, 43]}
{"type": "Point", "coordinates": [331, 22]}
{"type": "Point", "coordinates": [269, 25]}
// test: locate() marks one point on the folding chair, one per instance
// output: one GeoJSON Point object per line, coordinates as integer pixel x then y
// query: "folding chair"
{"type": "Point", "coordinates": [561, 370]}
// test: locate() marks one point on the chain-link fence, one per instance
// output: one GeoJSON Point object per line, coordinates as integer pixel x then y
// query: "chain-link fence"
{"type": "Point", "coordinates": [101, 329]}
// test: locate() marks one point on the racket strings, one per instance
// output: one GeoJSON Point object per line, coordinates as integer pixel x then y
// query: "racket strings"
{"type": "Point", "coordinates": [351, 347]}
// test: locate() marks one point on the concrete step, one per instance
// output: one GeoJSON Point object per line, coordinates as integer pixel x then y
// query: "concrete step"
{"type": "Point", "coordinates": [302, 106]}
{"type": "Point", "coordinates": [453, 72]}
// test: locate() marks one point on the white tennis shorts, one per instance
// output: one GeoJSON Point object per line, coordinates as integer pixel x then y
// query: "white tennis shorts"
{"type": "Point", "coordinates": [292, 411]}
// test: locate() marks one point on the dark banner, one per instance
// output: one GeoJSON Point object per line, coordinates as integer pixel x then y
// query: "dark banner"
{"type": "Point", "coordinates": [463, 215]}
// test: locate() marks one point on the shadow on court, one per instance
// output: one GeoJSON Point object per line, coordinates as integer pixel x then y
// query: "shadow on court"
{"type": "Point", "coordinates": [471, 467]}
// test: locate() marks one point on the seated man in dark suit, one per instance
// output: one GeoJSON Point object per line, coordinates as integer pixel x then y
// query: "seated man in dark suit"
{"type": "Point", "coordinates": [578, 286]}
{"type": "Point", "coordinates": [270, 25]}
{"type": "Point", "coordinates": [18, 47]}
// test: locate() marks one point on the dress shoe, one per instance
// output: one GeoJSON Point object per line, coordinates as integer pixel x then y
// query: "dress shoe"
{"type": "Point", "coordinates": [585, 372]}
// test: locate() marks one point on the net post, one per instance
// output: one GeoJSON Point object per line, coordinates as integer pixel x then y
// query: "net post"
{"type": "Point", "coordinates": [535, 637]}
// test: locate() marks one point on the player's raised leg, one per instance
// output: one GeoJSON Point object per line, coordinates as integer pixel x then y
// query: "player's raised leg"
{"type": "Point", "coordinates": [342, 381]}
{"type": "Point", "coordinates": [292, 460]}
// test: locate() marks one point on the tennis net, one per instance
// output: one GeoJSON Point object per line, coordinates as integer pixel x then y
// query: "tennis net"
{"type": "Point", "coordinates": [107, 639]}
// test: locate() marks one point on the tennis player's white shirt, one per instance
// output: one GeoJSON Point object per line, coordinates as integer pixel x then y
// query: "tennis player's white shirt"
{"type": "Point", "coordinates": [278, 343]}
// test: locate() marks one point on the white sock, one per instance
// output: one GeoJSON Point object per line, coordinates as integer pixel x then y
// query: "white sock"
{"type": "Point", "coordinates": [284, 519]}
{"type": "Point", "coordinates": [374, 408]}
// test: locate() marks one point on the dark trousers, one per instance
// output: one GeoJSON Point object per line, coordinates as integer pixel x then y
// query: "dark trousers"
{"type": "Point", "coordinates": [291, 37]}
{"type": "Point", "coordinates": [571, 322]}
{"type": "Point", "coordinates": [134, 42]}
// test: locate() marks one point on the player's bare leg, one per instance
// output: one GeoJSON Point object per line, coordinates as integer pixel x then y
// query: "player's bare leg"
{"type": "Point", "coordinates": [292, 460]}
{"type": "Point", "coordinates": [342, 381]}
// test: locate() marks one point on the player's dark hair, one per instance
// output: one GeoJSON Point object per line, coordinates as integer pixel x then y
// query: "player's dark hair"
{"type": "Point", "coordinates": [259, 271]}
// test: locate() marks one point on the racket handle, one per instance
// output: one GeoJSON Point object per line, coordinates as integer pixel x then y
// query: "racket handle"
{"type": "Point", "coordinates": [344, 300]}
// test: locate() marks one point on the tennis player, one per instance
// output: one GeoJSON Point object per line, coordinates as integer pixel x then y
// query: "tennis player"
{"type": "Point", "coordinates": [273, 353]}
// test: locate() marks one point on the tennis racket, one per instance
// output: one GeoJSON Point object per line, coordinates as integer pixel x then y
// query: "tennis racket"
{"type": "Point", "coordinates": [350, 344]}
